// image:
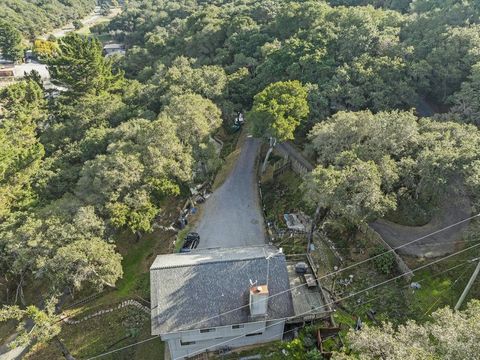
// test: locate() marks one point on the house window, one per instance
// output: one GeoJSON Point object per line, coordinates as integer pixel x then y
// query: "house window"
{"type": "Point", "coordinates": [239, 326]}
{"type": "Point", "coordinates": [186, 343]}
{"type": "Point", "coordinates": [254, 334]}
{"type": "Point", "coordinates": [207, 330]}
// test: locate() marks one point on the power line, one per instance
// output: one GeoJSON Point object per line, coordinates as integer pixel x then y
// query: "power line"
{"type": "Point", "coordinates": [123, 348]}
{"type": "Point", "coordinates": [418, 281]}
{"type": "Point", "coordinates": [340, 270]}
{"type": "Point", "coordinates": [305, 313]}
{"type": "Point", "coordinates": [440, 296]}
{"type": "Point", "coordinates": [329, 274]}
{"type": "Point", "coordinates": [469, 285]}
{"type": "Point", "coordinates": [433, 243]}
{"type": "Point", "coordinates": [154, 337]}
{"type": "Point", "coordinates": [338, 300]}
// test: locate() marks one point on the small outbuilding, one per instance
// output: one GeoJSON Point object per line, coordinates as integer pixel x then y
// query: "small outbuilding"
{"type": "Point", "coordinates": [114, 49]}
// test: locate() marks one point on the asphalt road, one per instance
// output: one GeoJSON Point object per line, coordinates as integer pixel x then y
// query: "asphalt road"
{"type": "Point", "coordinates": [454, 209]}
{"type": "Point", "coordinates": [231, 216]}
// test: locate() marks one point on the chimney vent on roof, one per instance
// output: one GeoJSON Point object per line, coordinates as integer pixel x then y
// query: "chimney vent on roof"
{"type": "Point", "coordinates": [258, 300]}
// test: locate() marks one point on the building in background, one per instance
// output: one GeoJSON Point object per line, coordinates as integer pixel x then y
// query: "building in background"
{"type": "Point", "coordinates": [114, 49]}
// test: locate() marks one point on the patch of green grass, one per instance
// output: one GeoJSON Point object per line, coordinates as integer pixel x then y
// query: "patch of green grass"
{"type": "Point", "coordinates": [283, 195]}
{"type": "Point", "coordinates": [230, 152]}
{"type": "Point", "coordinates": [296, 244]}
{"type": "Point", "coordinates": [103, 38]}
{"type": "Point", "coordinates": [265, 351]}
{"type": "Point", "coordinates": [106, 333]}
{"type": "Point", "coordinates": [437, 291]}
{"type": "Point", "coordinates": [344, 318]}
{"type": "Point", "coordinates": [180, 240]}
{"type": "Point", "coordinates": [229, 143]}
{"type": "Point", "coordinates": [151, 350]}
{"type": "Point", "coordinates": [133, 270]}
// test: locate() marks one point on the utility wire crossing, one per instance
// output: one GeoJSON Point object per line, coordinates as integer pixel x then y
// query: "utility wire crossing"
{"type": "Point", "coordinates": [336, 301]}
{"type": "Point", "coordinates": [340, 270]}
{"type": "Point", "coordinates": [306, 313]}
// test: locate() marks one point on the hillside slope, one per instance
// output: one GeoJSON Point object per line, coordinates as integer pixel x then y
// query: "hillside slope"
{"type": "Point", "coordinates": [36, 17]}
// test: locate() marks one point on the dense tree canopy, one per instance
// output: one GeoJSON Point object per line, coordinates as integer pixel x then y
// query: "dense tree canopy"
{"type": "Point", "coordinates": [122, 136]}
{"type": "Point", "coordinates": [95, 160]}
{"type": "Point", "coordinates": [466, 104]}
{"type": "Point", "coordinates": [44, 323]}
{"type": "Point", "coordinates": [357, 57]}
{"type": "Point", "coordinates": [371, 163]}
{"type": "Point", "coordinates": [35, 17]}
{"type": "Point", "coordinates": [11, 47]}
{"type": "Point", "coordinates": [81, 68]}
{"type": "Point", "coordinates": [447, 335]}
{"type": "Point", "coordinates": [278, 110]}
{"type": "Point", "coordinates": [22, 109]}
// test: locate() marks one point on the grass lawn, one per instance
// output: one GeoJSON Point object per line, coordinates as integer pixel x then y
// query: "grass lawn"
{"type": "Point", "coordinates": [180, 238]}
{"type": "Point", "coordinates": [396, 300]}
{"type": "Point", "coordinates": [85, 30]}
{"type": "Point", "coordinates": [441, 285]}
{"type": "Point", "coordinates": [230, 152]}
{"type": "Point", "coordinates": [106, 333]}
{"type": "Point", "coordinates": [265, 351]}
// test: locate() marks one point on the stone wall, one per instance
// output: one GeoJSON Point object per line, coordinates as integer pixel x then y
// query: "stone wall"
{"type": "Point", "coordinates": [123, 304]}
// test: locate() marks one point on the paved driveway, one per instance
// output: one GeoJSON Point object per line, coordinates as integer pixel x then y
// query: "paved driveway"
{"type": "Point", "coordinates": [231, 216]}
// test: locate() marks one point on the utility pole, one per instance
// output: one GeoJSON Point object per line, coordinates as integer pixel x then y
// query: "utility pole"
{"type": "Point", "coordinates": [469, 285]}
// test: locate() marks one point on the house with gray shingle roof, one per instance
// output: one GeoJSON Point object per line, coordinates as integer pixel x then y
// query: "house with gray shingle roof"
{"type": "Point", "coordinates": [211, 299]}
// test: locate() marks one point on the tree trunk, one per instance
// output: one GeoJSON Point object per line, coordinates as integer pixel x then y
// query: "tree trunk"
{"type": "Point", "coordinates": [320, 215]}
{"type": "Point", "coordinates": [273, 142]}
{"type": "Point", "coordinates": [138, 235]}
{"type": "Point", "coordinates": [19, 291]}
{"type": "Point", "coordinates": [64, 349]}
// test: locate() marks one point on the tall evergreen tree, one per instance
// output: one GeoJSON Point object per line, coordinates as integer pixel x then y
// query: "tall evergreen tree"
{"type": "Point", "coordinates": [81, 68]}
{"type": "Point", "coordinates": [10, 42]}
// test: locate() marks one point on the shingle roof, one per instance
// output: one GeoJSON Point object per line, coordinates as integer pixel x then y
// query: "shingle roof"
{"type": "Point", "coordinates": [190, 287]}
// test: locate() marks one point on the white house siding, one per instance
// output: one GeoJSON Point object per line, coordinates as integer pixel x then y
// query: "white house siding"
{"type": "Point", "coordinates": [220, 337]}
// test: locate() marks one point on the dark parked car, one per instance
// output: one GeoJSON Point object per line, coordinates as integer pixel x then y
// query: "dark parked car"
{"type": "Point", "coordinates": [191, 242]}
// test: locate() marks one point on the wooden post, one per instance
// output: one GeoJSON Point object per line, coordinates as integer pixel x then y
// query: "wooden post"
{"type": "Point", "coordinates": [320, 214]}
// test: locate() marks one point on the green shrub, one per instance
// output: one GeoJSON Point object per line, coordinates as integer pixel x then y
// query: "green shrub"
{"type": "Point", "coordinates": [384, 263]}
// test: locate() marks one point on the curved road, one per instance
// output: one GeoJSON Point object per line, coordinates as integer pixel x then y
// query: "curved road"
{"type": "Point", "coordinates": [231, 216]}
{"type": "Point", "coordinates": [454, 209]}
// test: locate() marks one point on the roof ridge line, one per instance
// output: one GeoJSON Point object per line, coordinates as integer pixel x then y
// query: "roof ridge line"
{"type": "Point", "coordinates": [260, 256]}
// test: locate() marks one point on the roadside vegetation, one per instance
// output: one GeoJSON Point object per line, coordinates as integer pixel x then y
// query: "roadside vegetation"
{"type": "Point", "coordinates": [92, 176]}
